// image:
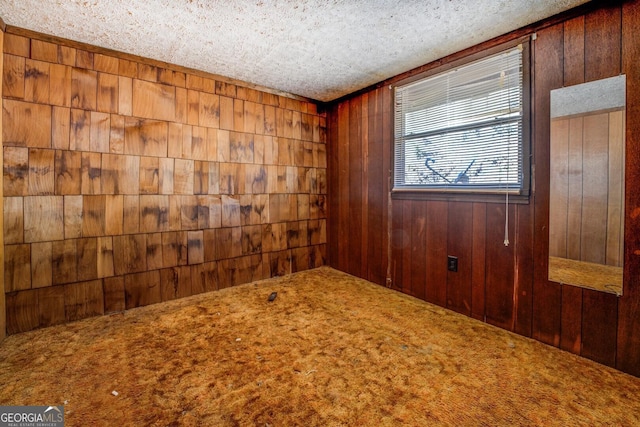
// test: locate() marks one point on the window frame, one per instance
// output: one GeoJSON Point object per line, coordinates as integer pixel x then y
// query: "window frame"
{"type": "Point", "coordinates": [471, 195]}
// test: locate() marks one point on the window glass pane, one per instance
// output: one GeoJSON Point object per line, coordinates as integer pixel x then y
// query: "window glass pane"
{"type": "Point", "coordinates": [462, 129]}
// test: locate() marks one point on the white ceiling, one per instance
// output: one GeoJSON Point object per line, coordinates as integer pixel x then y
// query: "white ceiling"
{"type": "Point", "coordinates": [319, 49]}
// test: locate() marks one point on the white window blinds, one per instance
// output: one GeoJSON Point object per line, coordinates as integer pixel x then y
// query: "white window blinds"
{"type": "Point", "coordinates": [461, 130]}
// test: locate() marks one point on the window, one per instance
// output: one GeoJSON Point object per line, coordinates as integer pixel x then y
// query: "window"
{"type": "Point", "coordinates": [463, 130]}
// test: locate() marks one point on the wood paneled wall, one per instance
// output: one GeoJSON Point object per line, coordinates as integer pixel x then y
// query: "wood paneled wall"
{"type": "Point", "coordinates": [586, 188]}
{"type": "Point", "coordinates": [128, 183]}
{"type": "Point", "coordinates": [505, 286]}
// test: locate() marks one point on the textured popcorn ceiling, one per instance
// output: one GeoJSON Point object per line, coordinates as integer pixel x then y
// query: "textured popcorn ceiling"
{"type": "Point", "coordinates": [313, 48]}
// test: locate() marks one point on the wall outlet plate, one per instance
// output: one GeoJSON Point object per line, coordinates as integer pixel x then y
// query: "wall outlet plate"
{"type": "Point", "coordinates": [452, 263]}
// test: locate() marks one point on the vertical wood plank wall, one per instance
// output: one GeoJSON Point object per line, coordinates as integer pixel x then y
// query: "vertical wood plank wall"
{"type": "Point", "coordinates": [504, 286]}
{"type": "Point", "coordinates": [586, 173]}
{"type": "Point", "coordinates": [127, 183]}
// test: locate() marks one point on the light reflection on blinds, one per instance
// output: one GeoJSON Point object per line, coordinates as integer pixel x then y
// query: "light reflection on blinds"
{"type": "Point", "coordinates": [462, 129]}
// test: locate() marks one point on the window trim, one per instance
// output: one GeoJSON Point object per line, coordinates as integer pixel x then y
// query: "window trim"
{"type": "Point", "coordinates": [521, 197]}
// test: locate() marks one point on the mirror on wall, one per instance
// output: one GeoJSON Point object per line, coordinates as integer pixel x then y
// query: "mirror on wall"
{"type": "Point", "coordinates": [586, 204]}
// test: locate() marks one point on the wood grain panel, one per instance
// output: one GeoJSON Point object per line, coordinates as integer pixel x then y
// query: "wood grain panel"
{"type": "Point", "coordinates": [615, 191]}
{"type": "Point", "coordinates": [599, 326]}
{"type": "Point", "coordinates": [82, 300]}
{"type": "Point", "coordinates": [80, 136]}
{"type": "Point", "coordinates": [195, 247]}
{"type": "Point", "coordinates": [571, 337]}
{"type": "Point", "coordinates": [13, 76]}
{"type": "Point", "coordinates": [594, 202]}
{"type": "Point", "coordinates": [84, 59]}
{"type": "Point", "coordinates": [228, 242]}
{"type": "Point", "coordinates": [419, 248]}
{"type": "Point", "coordinates": [127, 68]}
{"type": "Point", "coordinates": [16, 171]}
{"type": "Point", "coordinates": [478, 261]}
{"type": "Point", "coordinates": [197, 279]}
{"type": "Point", "coordinates": [193, 107]}
{"type": "Point", "coordinates": [72, 217]}
{"type": "Point", "coordinates": [90, 173]}
{"type": "Point", "coordinates": [343, 189]}
{"type": "Point", "coordinates": [120, 174]}
{"type": "Point", "coordinates": [60, 85]}
{"type": "Point", "coordinates": [209, 110]}
{"type": "Point", "coordinates": [65, 261]}
{"type": "Point", "coordinates": [147, 72]}
{"type": "Point", "coordinates": [183, 176]}
{"type": "Point", "coordinates": [150, 175]}
{"type": "Point", "coordinates": [13, 220]}
{"type": "Point", "coordinates": [43, 218]}
{"type": "Point", "coordinates": [51, 306]}
{"type": "Point", "coordinates": [84, 86]}
{"type": "Point", "coordinates": [87, 251]}
{"type": "Point", "coordinates": [398, 239]}
{"type": "Point", "coordinates": [105, 63]}
{"type": "Point", "coordinates": [100, 132]}
{"type": "Point", "coordinates": [131, 214]}
{"type": "Point", "coordinates": [153, 100]}
{"type": "Point", "coordinates": [22, 311]}
{"type": "Point", "coordinates": [36, 81]}
{"type": "Point", "coordinates": [26, 124]}
{"type": "Point", "coordinates": [41, 264]}
{"type": "Point", "coordinates": [104, 260]}
{"type": "Point", "coordinates": [129, 253]}
{"type": "Point", "coordinates": [548, 75]}
{"type": "Point", "coordinates": [168, 284]}
{"type": "Point", "coordinates": [17, 45]}
{"type": "Point", "coordinates": [437, 224]}
{"type": "Point", "coordinates": [114, 300]}
{"type": "Point", "coordinates": [559, 196]}
{"type": "Point", "coordinates": [523, 273]}
{"type": "Point", "coordinates": [238, 115]}
{"type": "Point", "coordinates": [575, 188]}
{"type": "Point", "coordinates": [107, 97]}
{"type": "Point", "coordinates": [43, 51]}
{"type": "Point", "coordinates": [354, 208]}
{"type": "Point", "coordinates": [93, 215]}
{"type": "Point", "coordinates": [171, 249]}
{"type": "Point", "coordinates": [602, 42]}
{"type": "Point", "coordinates": [375, 180]}
{"type": "Point", "coordinates": [628, 336]}
{"type": "Point", "coordinates": [142, 289]}
{"type": "Point", "coordinates": [154, 251]}
{"type": "Point", "coordinates": [154, 213]}
{"type": "Point", "coordinates": [188, 212]}
{"type": "Point", "coordinates": [67, 55]}
{"type": "Point", "coordinates": [116, 136]}
{"type": "Point", "coordinates": [125, 95]}
{"type": "Point", "coordinates": [209, 276]}
{"type": "Point", "coordinates": [269, 120]}
{"type": "Point", "coordinates": [198, 149]}
{"type": "Point", "coordinates": [145, 137]}
{"type": "Point", "coordinates": [500, 263]}
{"type": "Point", "coordinates": [60, 127]}
{"type": "Point", "coordinates": [460, 227]}
{"type": "Point", "coordinates": [17, 267]}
